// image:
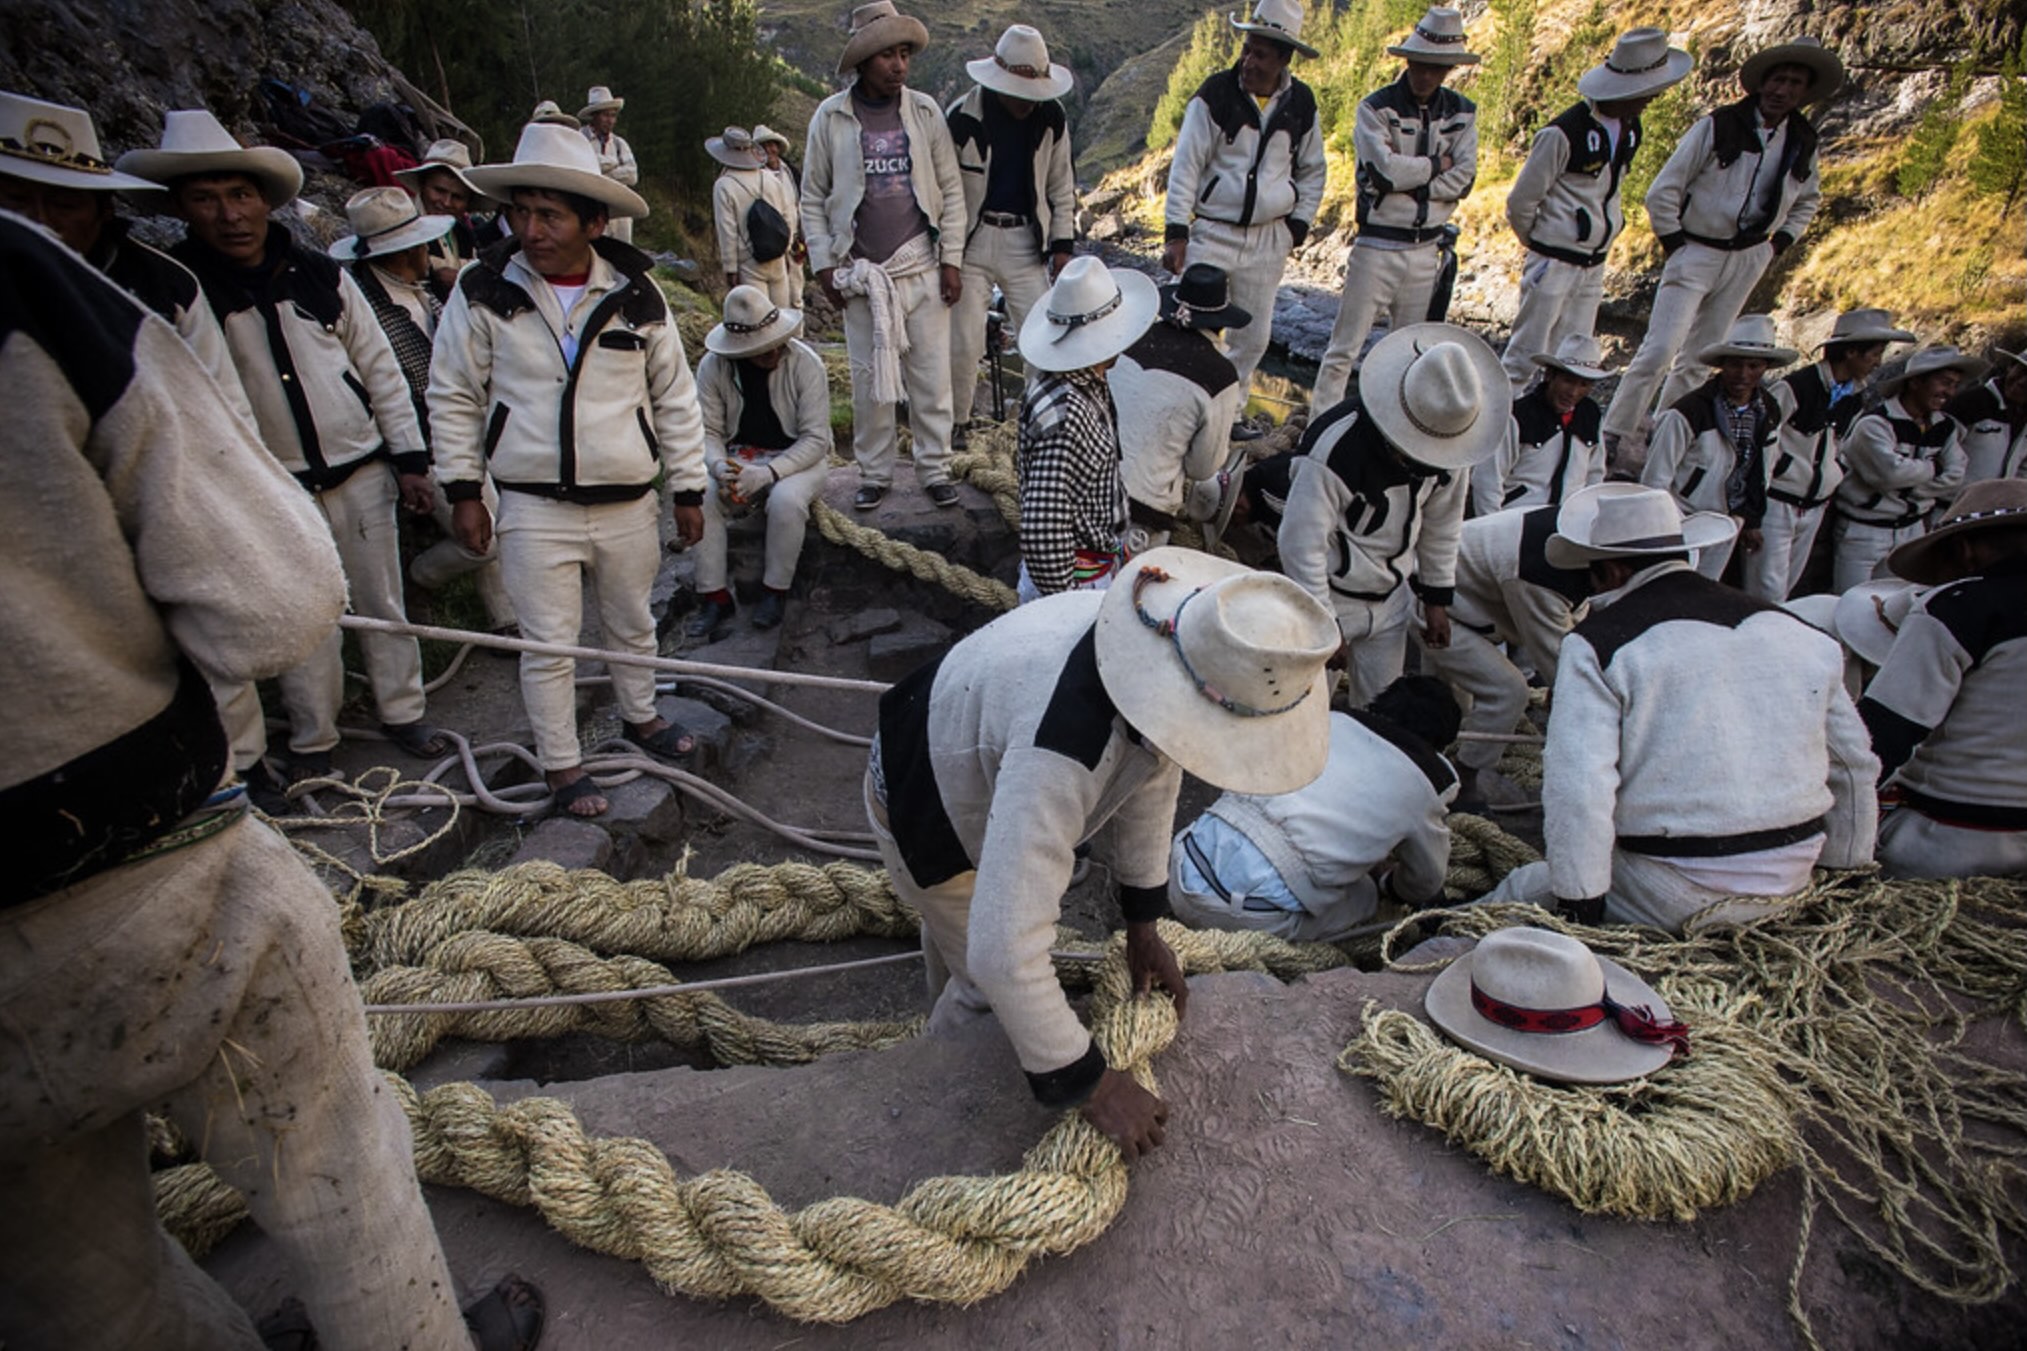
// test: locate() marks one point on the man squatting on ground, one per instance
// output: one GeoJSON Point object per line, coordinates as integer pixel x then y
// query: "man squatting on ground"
{"type": "Point", "coordinates": [1564, 204]}
{"type": "Point", "coordinates": [767, 443]}
{"type": "Point", "coordinates": [1552, 447]}
{"type": "Point", "coordinates": [1071, 715]}
{"type": "Point", "coordinates": [558, 367]}
{"type": "Point", "coordinates": [883, 213]}
{"type": "Point", "coordinates": [1020, 197]}
{"type": "Point", "coordinates": [1247, 176]}
{"type": "Point", "coordinates": [743, 185]}
{"type": "Point", "coordinates": [1902, 461]}
{"type": "Point", "coordinates": [1417, 150]}
{"type": "Point", "coordinates": [1312, 865]}
{"type": "Point", "coordinates": [157, 950]}
{"type": "Point", "coordinates": [1702, 749]}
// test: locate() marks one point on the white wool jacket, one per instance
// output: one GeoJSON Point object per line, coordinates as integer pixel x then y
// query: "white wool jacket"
{"type": "Point", "coordinates": [1507, 589]}
{"type": "Point", "coordinates": [1055, 186]}
{"type": "Point", "coordinates": [834, 179]}
{"type": "Point", "coordinates": [1994, 436]}
{"type": "Point", "coordinates": [796, 391]}
{"type": "Point", "coordinates": [1359, 522]}
{"type": "Point", "coordinates": [1692, 719]}
{"type": "Point", "coordinates": [1898, 469]}
{"type": "Point", "coordinates": [1691, 455]}
{"type": "Point", "coordinates": [598, 429]}
{"type": "Point", "coordinates": [1382, 794]}
{"type": "Point", "coordinates": [1403, 194]}
{"type": "Point", "coordinates": [172, 291]}
{"type": "Point", "coordinates": [732, 196]}
{"type": "Point", "coordinates": [615, 156]}
{"type": "Point", "coordinates": [1237, 164]}
{"type": "Point", "coordinates": [1706, 191]}
{"type": "Point", "coordinates": [1543, 458]}
{"type": "Point", "coordinates": [1001, 758]}
{"type": "Point", "coordinates": [1177, 396]}
{"type": "Point", "coordinates": [1807, 467]}
{"type": "Point", "coordinates": [1564, 203]}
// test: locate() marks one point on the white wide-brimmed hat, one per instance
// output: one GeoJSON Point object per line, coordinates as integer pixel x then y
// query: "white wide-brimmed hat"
{"type": "Point", "coordinates": [876, 27]}
{"type": "Point", "coordinates": [766, 135]}
{"type": "Point", "coordinates": [449, 156]}
{"type": "Point", "coordinates": [599, 100]}
{"type": "Point", "coordinates": [1019, 67]}
{"type": "Point", "coordinates": [1626, 520]}
{"type": "Point", "coordinates": [551, 112]}
{"type": "Point", "coordinates": [1818, 610]}
{"type": "Point", "coordinates": [1868, 616]}
{"type": "Point", "coordinates": [736, 148]}
{"type": "Point", "coordinates": [1221, 668]}
{"type": "Point", "coordinates": [1641, 65]}
{"type": "Point", "coordinates": [1752, 336]}
{"type": "Point", "coordinates": [1577, 354]}
{"type": "Point", "coordinates": [1990, 504]}
{"type": "Point", "coordinates": [1280, 20]}
{"type": "Point", "coordinates": [1438, 40]}
{"type": "Point", "coordinates": [1865, 326]}
{"type": "Point", "coordinates": [56, 144]}
{"type": "Point", "coordinates": [1092, 314]}
{"type": "Point", "coordinates": [753, 324]}
{"type": "Point", "coordinates": [556, 159]}
{"type": "Point", "coordinates": [1438, 393]}
{"type": "Point", "coordinates": [1826, 72]}
{"type": "Point", "coordinates": [195, 142]}
{"type": "Point", "coordinates": [1545, 1004]}
{"type": "Point", "coordinates": [1930, 360]}
{"type": "Point", "coordinates": [385, 220]}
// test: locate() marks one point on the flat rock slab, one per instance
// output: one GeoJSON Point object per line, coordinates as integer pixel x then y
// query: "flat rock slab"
{"type": "Point", "coordinates": [1285, 1210]}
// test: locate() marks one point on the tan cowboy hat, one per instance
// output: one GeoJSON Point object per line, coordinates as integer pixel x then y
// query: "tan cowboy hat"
{"type": "Point", "coordinates": [1092, 314]}
{"type": "Point", "coordinates": [1990, 504]}
{"type": "Point", "coordinates": [1019, 67]}
{"type": "Point", "coordinates": [766, 135]}
{"type": "Point", "coordinates": [1751, 336]}
{"type": "Point", "coordinates": [1866, 326]}
{"type": "Point", "coordinates": [1280, 20]}
{"type": "Point", "coordinates": [559, 160]}
{"type": "Point", "coordinates": [449, 156]}
{"type": "Point", "coordinates": [753, 324]}
{"type": "Point", "coordinates": [1626, 520]}
{"type": "Point", "coordinates": [1438, 394]}
{"type": "Point", "coordinates": [1868, 617]}
{"type": "Point", "coordinates": [194, 142]}
{"type": "Point", "coordinates": [875, 28]}
{"type": "Point", "coordinates": [1221, 668]}
{"type": "Point", "coordinates": [1826, 72]}
{"type": "Point", "coordinates": [56, 144]}
{"type": "Point", "coordinates": [599, 100]}
{"type": "Point", "coordinates": [548, 110]}
{"type": "Point", "coordinates": [1577, 354]}
{"type": "Point", "coordinates": [1928, 361]}
{"type": "Point", "coordinates": [385, 220]}
{"type": "Point", "coordinates": [736, 149]}
{"type": "Point", "coordinates": [1545, 1004]}
{"type": "Point", "coordinates": [1438, 40]}
{"type": "Point", "coordinates": [1641, 65]}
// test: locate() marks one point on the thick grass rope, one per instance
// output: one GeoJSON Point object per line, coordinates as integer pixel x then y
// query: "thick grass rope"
{"type": "Point", "coordinates": [925, 564]}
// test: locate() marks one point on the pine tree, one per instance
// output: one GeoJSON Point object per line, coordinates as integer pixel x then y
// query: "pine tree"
{"type": "Point", "coordinates": [1998, 165]}
{"type": "Point", "coordinates": [1928, 148]}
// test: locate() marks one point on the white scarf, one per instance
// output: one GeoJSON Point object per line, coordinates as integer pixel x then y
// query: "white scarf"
{"type": "Point", "coordinates": [875, 281]}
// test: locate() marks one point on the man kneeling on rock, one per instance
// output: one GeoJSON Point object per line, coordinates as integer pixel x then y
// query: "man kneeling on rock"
{"type": "Point", "coordinates": [1073, 713]}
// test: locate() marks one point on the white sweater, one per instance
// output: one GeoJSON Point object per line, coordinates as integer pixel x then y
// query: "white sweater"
{"type": "Point", "coordinates": [1565, 201]}
{"type": "Point", "coordinates": [1541, 460]}
{"type": "Point", "coordinates": [1221, 170]}
{"type": "Point", "coordinates": [796, 390]}
{"type": "Point", "coordinates": [1505, 583]}
{"type": "Point", "coordinates": [834, 179]}
{"type": "Point", "coordinates": [1704, 189]}
{"type": "Point", "coordinates": [1177, 397]}
{"type": "Point", "coordinates": [732, 196]}
{"type": "Point", "coordinates": [1897, 468]}
{"type": "Point", "coordinates": [1404, 193]}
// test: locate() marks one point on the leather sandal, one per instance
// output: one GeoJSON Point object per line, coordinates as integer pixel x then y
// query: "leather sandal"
{"type": "Point", "coordinates": [666, 744]}
{"type": "Point", "coordinates": [418, 738]}
{"type": "Point", "coordinates": [508, 1317]}
{"type": "Point", "coordinates": [576, 791]}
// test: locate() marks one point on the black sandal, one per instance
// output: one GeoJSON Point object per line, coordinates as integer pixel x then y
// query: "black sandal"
{"type": "Point", "coordinates": [418, 738]}
{"type": "Point", "coordinates": [576, 791]}
{"type": "Point", "coordinates": [287, 1328]}
{"type": "Point", "coordinates": [666, 744]}
{"type": "Point", "coordinates": [509, 1316]}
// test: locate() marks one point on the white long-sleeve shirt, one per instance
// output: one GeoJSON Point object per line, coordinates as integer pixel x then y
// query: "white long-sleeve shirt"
{"type": "Point", "coordinates": [1222, 171]}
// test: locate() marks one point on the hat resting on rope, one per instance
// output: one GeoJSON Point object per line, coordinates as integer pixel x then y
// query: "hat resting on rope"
{"type": "Point", "coordinates": [1641, 65]}
{"type": "Point", "coordinates": [385, 220]}
{"type": "Point", "coordinates": [875, 28]}
{"type": "Point", "coordinates": [57, 145]}
{"type": "Point", "coordinates": [1992, 504]}
{"type": "Point", "coordinates": [1865, 326]}
{"type": "Point", "coordinates": [194, 142]}
{"type": "Point", "coordinates": [1220, 667]}
{"type": "Point", "coordinates": [1438, 393]}
{"type": "Point", "coordinates": [1577, 354]}
{"type": "Point", "coordinates": [1928, 361]}
{"type": "Point", "coordinates": [736, 148]}
{"type": "Point", "coordinates": [1752, 337]}
{"type": "Point", "coordinates": [1280, 20]}
{"type": "Point", "coordinates": [1437, 40]}
{"type": "Point", "coordinates": [1202, 298]}
{"type": "Point", "coordinates": [557, 159]}
{"type": "Point", "coordinates": [599, 100]}
{"type": "Point", "coordinates": [1091, 315]}
{"type": "Point", "coordinates": [753, 324]}
{"type": "Point", "coordinates": [1019, 67]}
{"type": "Point", "coordinates": [452, 157]}
{"type": "Point", "coordinates": [1626, 520]}
{"type": "Point", "coordinates": [1826, 71]}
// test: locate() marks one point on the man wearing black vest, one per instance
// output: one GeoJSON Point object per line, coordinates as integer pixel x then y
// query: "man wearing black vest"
{"type": "Point", "coordinates": [1903, 459]}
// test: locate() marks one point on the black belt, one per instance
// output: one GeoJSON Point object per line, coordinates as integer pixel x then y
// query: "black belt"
{"type": "Point", "coordinates": [1401, 234]}
{"type": "Point", "coordinates": [1719, 846]}
{"type": "Point", "coordinates": [1737, 244]}
{"type": "Point", "coordinates": [1896, 523]}
{"type": "Point", "coordinates": [596, 494]}
{"type": "Point", "coordinates": [1573, 256]}
{"type": "Point", "coordinates": [331, 475]}
{"type": "Point", "coordinates": [1005, 220]}
{"type": "Point", "coordinates": [1966, 815]}
{"type": "Point", "coordinates": [1797, 501]}
{"type": "Point", "coordinates": [1150, 518]}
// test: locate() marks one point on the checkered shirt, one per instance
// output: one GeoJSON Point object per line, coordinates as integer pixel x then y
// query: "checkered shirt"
{"type": "Point", "coordinates": [1072, 495]}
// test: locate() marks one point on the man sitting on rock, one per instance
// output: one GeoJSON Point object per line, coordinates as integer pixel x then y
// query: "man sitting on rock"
{"type": "Point", "coordinates": [1312, 865]}
{"type": "Point", "coordinates": [767, 441]}
{"type": "Point", "coordinates": [1903, 460]}
{"type": "Point", "coordinates": [1075, 714]}
{"type": "Point", "coordinates": [1552, 447]}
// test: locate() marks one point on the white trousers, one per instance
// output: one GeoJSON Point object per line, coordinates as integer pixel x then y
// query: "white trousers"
{"type": "Point", "coordinates": [245, 723]}
{"type": "Point", "coordinates": [771, 278]}
{"type": "Point", "coordinates": [1644, 891]}
{"type": "Point", "coordinates": [1491, 688]}
{"type": "Point", "coordinates": [435, 567]}
{"type": "Point", "coordinates": [1787, 534]}
{"type": "Point", "coordinates": [1394, 282]}
{"type": "Point", "coordinates": [1377, 634]}
{"type": "Point", "coordinates": [210, 981]}
{"type": "Point", "coordinates": [999, 254]}
{"type": "Point", "coordinates": [1914, 845]}
{"type": "Point", "coordinates": [1253, 258]}
{"type": "Point", "coordinates": [1702, 292]}
{"type": "Point", "coordinates": [1861, 548]}
{"type": "Point", "coordinates": [547, 551]}
{"type": "Point", "coordinates": [787, 508]}
{"type": "Point", "coordinates": [1556, 300]}
{"type": "Point", "coordinates": [945, 910]}
{"type": "Point", "coordinates": [1341, 913]}
{"type": "Point", "coordinates": [925, 374]}
{"type": "Point", "coordinates": [361, 515]}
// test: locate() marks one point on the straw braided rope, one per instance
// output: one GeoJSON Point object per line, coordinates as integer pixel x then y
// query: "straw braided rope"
{"type": "Point", "coordinates": [924, 564]}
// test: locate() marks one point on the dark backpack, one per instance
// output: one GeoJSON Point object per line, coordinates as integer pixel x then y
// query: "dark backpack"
{"type": "Point", "coordinates": [766, 231]}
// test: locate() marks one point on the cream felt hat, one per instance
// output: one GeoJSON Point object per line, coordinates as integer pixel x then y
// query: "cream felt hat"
{"type": "Point", "coordinates": [56, 144]}
{"type": "Point", "coordinates": [1577, 354]}
{"type": "Point", "coordinates": [1626, 520]}
{"type": "Point", "coordinates": [556, 159]}
{"type": "Point", "coordinates": [1826, 72]}
{"type": "Point", "coordinates": [736, 148]}
{"type": "Point", "coordinates": [1280, 20]}
{"type": "Point", "coordinates": [1220, 667]}
{"type": "Point", "coordinates": [1545, 1004]}
{"type": "Point", "coordinates": [551, 112]}
{"type": "Point", "coordinates": [1928, 361]}
{"type": "Point", "coordinates": [1818, 611]}
{"type": "Point", "coordinates": [195, 142]}
{"type": "Point", "coordinates": [1438, 39]}
{"type": "Point", "coordinates": [1865, 326]}
{"type": "Point", "coordinates": [1868, 616]}
{"type": "Point", "coordinates": [450, 156]}
{"type": "Point", "coordinates": [1752, 336]}
{"type": "Point", "coordinates": [599, 100]}
{"type": "Point", "coordinates": [876, 27]}
{"type": "Point", "coordinates": [1019, 67]}
{"type": "Point", "coordinates": [1991, 504]}
{"type": "Point", "coordinates": [766, 135]}
{"type": "Point", "coordinates": [1092, 314]}
{"type": "Point", "coordinates": [1641, 65]}
{"type": "Point", "coordinates": [385, 220]}
{"type": "Point", "coordinates": [1438, 393]}
{"type": "Point", "coordinates": [753, 324]}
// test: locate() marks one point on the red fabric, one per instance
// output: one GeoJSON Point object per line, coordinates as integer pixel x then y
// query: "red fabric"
{"type": "Point", "coordinates": [569, 279]}
{"type": "Point", "coordinates": [1634, 1022]}
{"type": "Point", "coordinates": [375, 167]}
